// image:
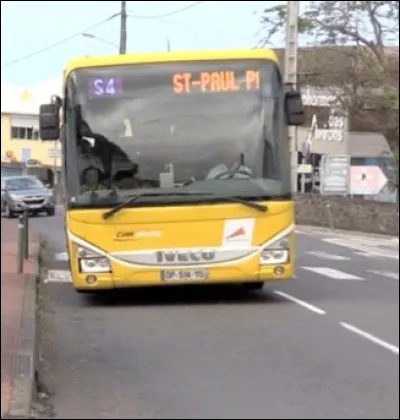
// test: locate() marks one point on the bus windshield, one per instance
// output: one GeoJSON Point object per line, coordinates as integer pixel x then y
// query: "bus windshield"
{"type": "Point", "coordinates": [215, 126]}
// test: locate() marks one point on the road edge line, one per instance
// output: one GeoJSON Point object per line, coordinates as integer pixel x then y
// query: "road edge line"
{"type": "Point", "coordinates": [372, 338]}
{"type": "Point", "coordinates": [300, 302]}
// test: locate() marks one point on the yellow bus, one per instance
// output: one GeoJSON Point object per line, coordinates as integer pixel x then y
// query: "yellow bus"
{"type": "Point", "coordinates": [176, 169]}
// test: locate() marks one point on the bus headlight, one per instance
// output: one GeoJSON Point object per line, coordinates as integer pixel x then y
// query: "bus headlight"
{"type": "Point", "coordinates": [92, 262]}
{"type": "Point", "coordinates": [276, 253]}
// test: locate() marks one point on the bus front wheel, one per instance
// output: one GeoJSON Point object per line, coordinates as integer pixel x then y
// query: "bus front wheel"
{"type": "Point", "coordinates": [86, 292]}
{"type": "Point", "coordinates": [253, 286]}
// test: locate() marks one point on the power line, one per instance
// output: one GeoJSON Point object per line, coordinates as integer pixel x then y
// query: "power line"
{"type": "Point", "coordinates": [175, 12]}
{"type": "Point", "coordinates": [63, 41]}
{"type": "Point", "coordinates": [58, 43]}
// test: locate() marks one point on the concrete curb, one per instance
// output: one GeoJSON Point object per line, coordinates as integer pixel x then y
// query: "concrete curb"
{"type": "Point", "coordinates": [24, 363]}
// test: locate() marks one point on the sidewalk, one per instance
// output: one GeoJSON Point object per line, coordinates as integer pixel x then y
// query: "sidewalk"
{"type": "Point", "coordinates": [15, 292]}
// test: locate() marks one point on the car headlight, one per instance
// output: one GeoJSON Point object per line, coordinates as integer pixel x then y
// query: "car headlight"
{"type": "Point", "coordinates": [92, 262]}
{"type": "Point", "coordinates": [276, 253]}
{"type": "Point", "coordinates": [15, 197]}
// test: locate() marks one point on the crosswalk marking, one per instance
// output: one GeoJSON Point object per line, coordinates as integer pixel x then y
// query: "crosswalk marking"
{"type": "Point", "coordinates": [328, 256]}
{"type": "Point", "coordinates": [376, 254]}
{"type": "Point", "coordinates": [299, 232]}
{"type": "Point", "coordinates": [61, 256]}
{"type": "Point", "coordinates": [333, 273]}
{"type": "Point", "coordinates": [365, 249]}
{"type": "Point", "coordinates": [58, 276]}
{"type": "Point", "coordinates": [368, 254]}
{"type": "Point", "coordinates": [387, 274]}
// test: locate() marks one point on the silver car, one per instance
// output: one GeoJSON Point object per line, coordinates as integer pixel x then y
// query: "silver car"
{"type": "Point", "coordinates": [25, 192]}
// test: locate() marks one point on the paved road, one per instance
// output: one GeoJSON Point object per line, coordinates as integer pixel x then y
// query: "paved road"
{"type": "Point", "coordinates": [325, 345]}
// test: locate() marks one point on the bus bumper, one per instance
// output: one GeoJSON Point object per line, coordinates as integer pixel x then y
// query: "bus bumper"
{"type": "Point", "coordinates": [133, 278]}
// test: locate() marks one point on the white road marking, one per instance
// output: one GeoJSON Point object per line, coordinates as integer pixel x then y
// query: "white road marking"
{"type": "Point", "coordinates": [328, 256]}
{"type": "Point", "coordinates": [304, 232]}
{"type": "Point", "coordinates": [369, 254]}
{"type": "Point", "coordinates": [375, 254]}
{"type": "Point", "coordinates": [365, 240]}
{"type": "Point", "coordinates": [388, 274]}
{"type": "Point", "coordinates": [370, 337]}
{"type": "Point", "coordinates": [369, 249]}
{"type": "Point", "coordinates": [333, 273]}
{"type": "Point", "coordinates": [306, 305]}
{"type": "Point", "coordinates": [61, 256]}
{"type": "Point", "coordinates": [58, 276]}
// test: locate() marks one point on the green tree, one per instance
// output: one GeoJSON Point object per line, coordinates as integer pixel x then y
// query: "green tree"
{"type": "Point", "coordinates": [358, 52]}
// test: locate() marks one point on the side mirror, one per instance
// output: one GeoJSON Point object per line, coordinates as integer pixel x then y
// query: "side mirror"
{"type": "Point", "coordinates": [294, 108]}
{"type": "Point", "coordinates": [49, 122]}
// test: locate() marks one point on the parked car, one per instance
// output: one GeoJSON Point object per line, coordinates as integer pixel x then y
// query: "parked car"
{"type": "Point", "coordinates": [22, 192]}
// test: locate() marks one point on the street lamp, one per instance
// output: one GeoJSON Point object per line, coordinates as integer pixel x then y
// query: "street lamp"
{"type": "Point", "coordinates": [105, 41]}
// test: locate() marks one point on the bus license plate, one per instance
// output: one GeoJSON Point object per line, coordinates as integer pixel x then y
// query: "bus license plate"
{"type": "Point", "coordinates": [184, 275]}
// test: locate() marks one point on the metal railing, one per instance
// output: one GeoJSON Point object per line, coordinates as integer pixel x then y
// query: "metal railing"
{"type": "Point", "coordinates": [23, 240]}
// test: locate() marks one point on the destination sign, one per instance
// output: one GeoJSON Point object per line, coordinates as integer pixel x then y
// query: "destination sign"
{"type": "Point", "coordinates": [215, 81]}
{"type": "Point", "coordinates": [124, 84]}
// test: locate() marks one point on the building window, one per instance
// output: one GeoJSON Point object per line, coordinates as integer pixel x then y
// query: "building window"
{"type": "Point", "coordinates": [24, 133]}
{"type": "Point", "coordinates": [24, 128]}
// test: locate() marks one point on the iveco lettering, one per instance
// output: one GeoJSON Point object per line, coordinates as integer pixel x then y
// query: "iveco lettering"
{"type": "Point", "coordinates": [185, 257]}
{"type": "Point", "coordinates": [192, 182]}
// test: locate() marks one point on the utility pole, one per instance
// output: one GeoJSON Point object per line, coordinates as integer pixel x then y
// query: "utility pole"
{"type": "Point", "coordinates": [123, 34]}
{"type": "Point", "coordinates": [291, 50]}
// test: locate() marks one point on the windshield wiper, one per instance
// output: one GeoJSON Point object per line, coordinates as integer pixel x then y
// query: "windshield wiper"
{"type": "Point", "coordinates": [130, 200]}
{"type": "Point", "coordinates": [248, 203]}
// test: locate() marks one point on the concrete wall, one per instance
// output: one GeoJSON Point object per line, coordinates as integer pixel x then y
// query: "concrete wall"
{"type": "Point", "coordinates": [11, 170]}
{"type": "Point", "coordinates": [347, 213]}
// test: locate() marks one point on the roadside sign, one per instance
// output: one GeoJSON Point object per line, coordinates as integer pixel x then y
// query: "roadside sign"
{"type": "Point", "coordinates": [367, 180]}
{"type": "Point", "coordinates": [54, 153]}
{"type": "Point", "coordinates": [305, 168]}
{"type": "Point", "coordinates": [335, 173]}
